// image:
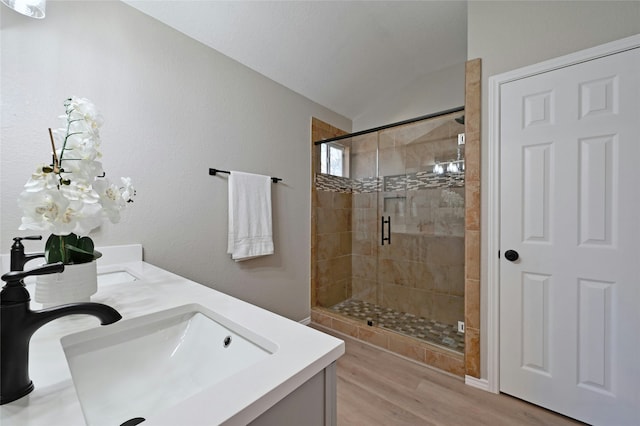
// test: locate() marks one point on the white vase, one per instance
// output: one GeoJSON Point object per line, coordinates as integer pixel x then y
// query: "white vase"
{"type": "Point", "coordinates": [75, 284]}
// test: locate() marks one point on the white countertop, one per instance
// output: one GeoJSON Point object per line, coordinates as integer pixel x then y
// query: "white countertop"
{"type": "Point", "coordinates": [302, 353]}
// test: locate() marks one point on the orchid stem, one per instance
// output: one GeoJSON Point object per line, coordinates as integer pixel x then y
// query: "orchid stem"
{"type": "Point", "coordinates": [56, 163]}
{"type": "Point", "coordinates": [69, 121]}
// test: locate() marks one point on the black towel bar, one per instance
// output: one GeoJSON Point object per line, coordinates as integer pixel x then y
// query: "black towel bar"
{"type": "Point", "coordinates": [213, 172]}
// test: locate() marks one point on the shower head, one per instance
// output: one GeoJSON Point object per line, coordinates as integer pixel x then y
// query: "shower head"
{"type": "Point", "coordinates": [460, 120]}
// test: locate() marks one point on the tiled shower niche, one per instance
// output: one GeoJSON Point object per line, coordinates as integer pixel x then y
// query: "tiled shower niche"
{"type": "Point", "coordinates": [415, 284]}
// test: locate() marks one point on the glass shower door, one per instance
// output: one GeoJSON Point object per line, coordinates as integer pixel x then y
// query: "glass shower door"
{"type": "Point", "coordinates": [420, 251]}
{"type": "Point", "coordinates": [397, 251]}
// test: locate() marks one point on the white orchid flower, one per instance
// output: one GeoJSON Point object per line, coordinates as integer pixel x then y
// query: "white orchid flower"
{"type": "Point", "coordinates": [75, 198]}
{"type": "Point", "coordinates": [127, 190]}
{"type": "Point", "coordinates": [86, 110]}
{"type": "Point", "coordinates": [111, 199]}
{"type": "Point", "coordinates": [46, 210]}
{"type": "Point", "coordinates": [88, 218]}
{"type": "Point", "coordinates": [41, 180]}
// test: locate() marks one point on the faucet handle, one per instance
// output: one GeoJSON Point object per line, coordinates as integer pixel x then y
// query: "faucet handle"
{"type": "Point", "coordinates": [15, 291]}
{"type": "Point", "coordinates": [18, 258]}
{"type": "Point", "coordinates": [17, 245]}
{"type": "Point", "coordinates": [17, 276]}
{"type": "Point", "coordinates": [30, 237]}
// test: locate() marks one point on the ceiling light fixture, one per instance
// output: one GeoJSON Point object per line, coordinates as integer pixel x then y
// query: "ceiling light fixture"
{"type": "Point", "coordinates": [30, 8]}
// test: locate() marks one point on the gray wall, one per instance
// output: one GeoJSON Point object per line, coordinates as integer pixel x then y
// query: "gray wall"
{"type": "Point", "coordinates": [435, 92]}
{"type": "Point", "coordinates": [172, 108]}
{"type": "Point", "coordinates": [511, 35]}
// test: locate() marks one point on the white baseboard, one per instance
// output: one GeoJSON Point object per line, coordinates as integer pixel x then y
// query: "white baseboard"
{"type": "Point", "coordinates": [305, 321]}
{"type": "Point", "coordinates": [477, 383]}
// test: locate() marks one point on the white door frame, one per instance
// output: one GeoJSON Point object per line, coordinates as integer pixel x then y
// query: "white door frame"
{"type": "Point", "coordinates": [493, 210]}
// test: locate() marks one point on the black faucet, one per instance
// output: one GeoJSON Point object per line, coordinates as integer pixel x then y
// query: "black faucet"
{"type": "Point", "coordinates": [18, 323]}
{"type": "Point", "coordinates": [18, 258]}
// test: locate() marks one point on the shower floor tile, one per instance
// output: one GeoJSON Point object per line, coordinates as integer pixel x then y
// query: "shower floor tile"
{"type": "Point", "coordinates": [427, 330]}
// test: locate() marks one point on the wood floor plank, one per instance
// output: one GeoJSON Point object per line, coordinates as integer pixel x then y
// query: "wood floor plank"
{"type": "Point", "coordinates": [376, 387]}
{"type": "Point", "coordinates": [358, 406]}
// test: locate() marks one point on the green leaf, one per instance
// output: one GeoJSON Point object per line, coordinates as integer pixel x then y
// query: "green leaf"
{"type": "Point", "coordinates": [86, 244]}
{"type": "Point", "coordinates": [70, 240]}
{"type": "Point", "coordinates": [70, 249]}
{"type": "Point", "coordinates": [53, 251]}
{"type": "Point", "coordinates": [78, 255]}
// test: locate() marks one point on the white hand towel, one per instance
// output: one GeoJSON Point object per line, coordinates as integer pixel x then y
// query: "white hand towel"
{"type": "Point", "coordinates": [250, 228]}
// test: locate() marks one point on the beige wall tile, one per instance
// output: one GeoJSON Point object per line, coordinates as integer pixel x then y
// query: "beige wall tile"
{"type": "Point", "coordinates": [404, 247]}
{"type": "Point", "coordinates": [472, 255]}
{"type": "Point", "coordinates": [472, 198]}
{"type": "Point", "coordinates": [472, 157]}
{"type": "Point", "coordinates": [320, 318]}
{"type": "Point", "coordinates": [335, 268]}
{"type": "Point", "coordinates": [346, 247]}
{"type": "Point", "coordinates": [347, 327]}
{"type": "Point", "coordinates": [393, 271]}
{"type": "Point", "coordinates": [472, 304]}
{"type": "Point", "coordinates": [342, 200]}
{"type": "Point", "coordinates": [364, 290]}
{"type": "Point", "coordinates": [407, 348]}
{"type": "Point", "coordinates": [472, 352]}
{"type": "Point", "coordinates": [448, 309]}
{"type": "Point", "coordinates": [365, 221]}
{"type": "Point", "coordinates": [445, 251]}
{"type": "Point", "coordinates": [333, 220]}
{"type": "Point", "coordinates": [324, 199]}
{"type": "Point", "coordinates": [451, 364]}
{"type": "Point", "coordinates": [473, 95]}
{"type": "Point", "coordinates": [363, 243]}
{"type": "Point", "coordinates": [370, 335]}
{"type": "Point", "coordinates": [364, 143]}
{"type": "Point", "coordinates": [364, 267]}
{"type": "Point", "coordinates": [364, 200]}
{"type": "Point", "coordinates": [328, 246]}
{"type": "Point", "coordinates": [422, 275]}
{"type": "Point", "coordinates": [362, 164]}
{"type": "Point", "coordinates": [456, 281]}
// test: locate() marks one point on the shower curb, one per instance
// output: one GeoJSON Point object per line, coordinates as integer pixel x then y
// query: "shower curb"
{"type": "Point", "coordinates": [424, 353]}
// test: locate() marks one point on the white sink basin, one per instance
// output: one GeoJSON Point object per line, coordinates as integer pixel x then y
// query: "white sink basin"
{"type": "Point", "coordinates": [139, 367]}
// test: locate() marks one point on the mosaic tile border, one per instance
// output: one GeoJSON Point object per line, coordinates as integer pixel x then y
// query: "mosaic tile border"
{"type": "Point", "coordinates": [430, 331]}
{"type": "Point", "coordinates": [333, 183]}
{"type": "Point", "coordinates": [409, 182]}
{"type": "Point", "coordinates": [423, 180]}
{"type": "Point", "coordinates": [366, 185]}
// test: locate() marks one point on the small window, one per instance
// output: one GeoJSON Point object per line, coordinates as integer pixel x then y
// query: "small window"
{"type": "Point", "coordinates": [334, 159]}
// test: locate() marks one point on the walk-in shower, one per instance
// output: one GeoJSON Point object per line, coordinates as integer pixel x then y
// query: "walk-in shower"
{"type": "Point", "coordinates": [389, 221]}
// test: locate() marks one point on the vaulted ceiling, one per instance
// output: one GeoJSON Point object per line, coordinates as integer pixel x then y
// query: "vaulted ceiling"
{"type": "Point", "coordinates": [341, 54]}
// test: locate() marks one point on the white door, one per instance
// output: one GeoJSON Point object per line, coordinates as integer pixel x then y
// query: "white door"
{"type": "Point", "coordinates": [570, 208]}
